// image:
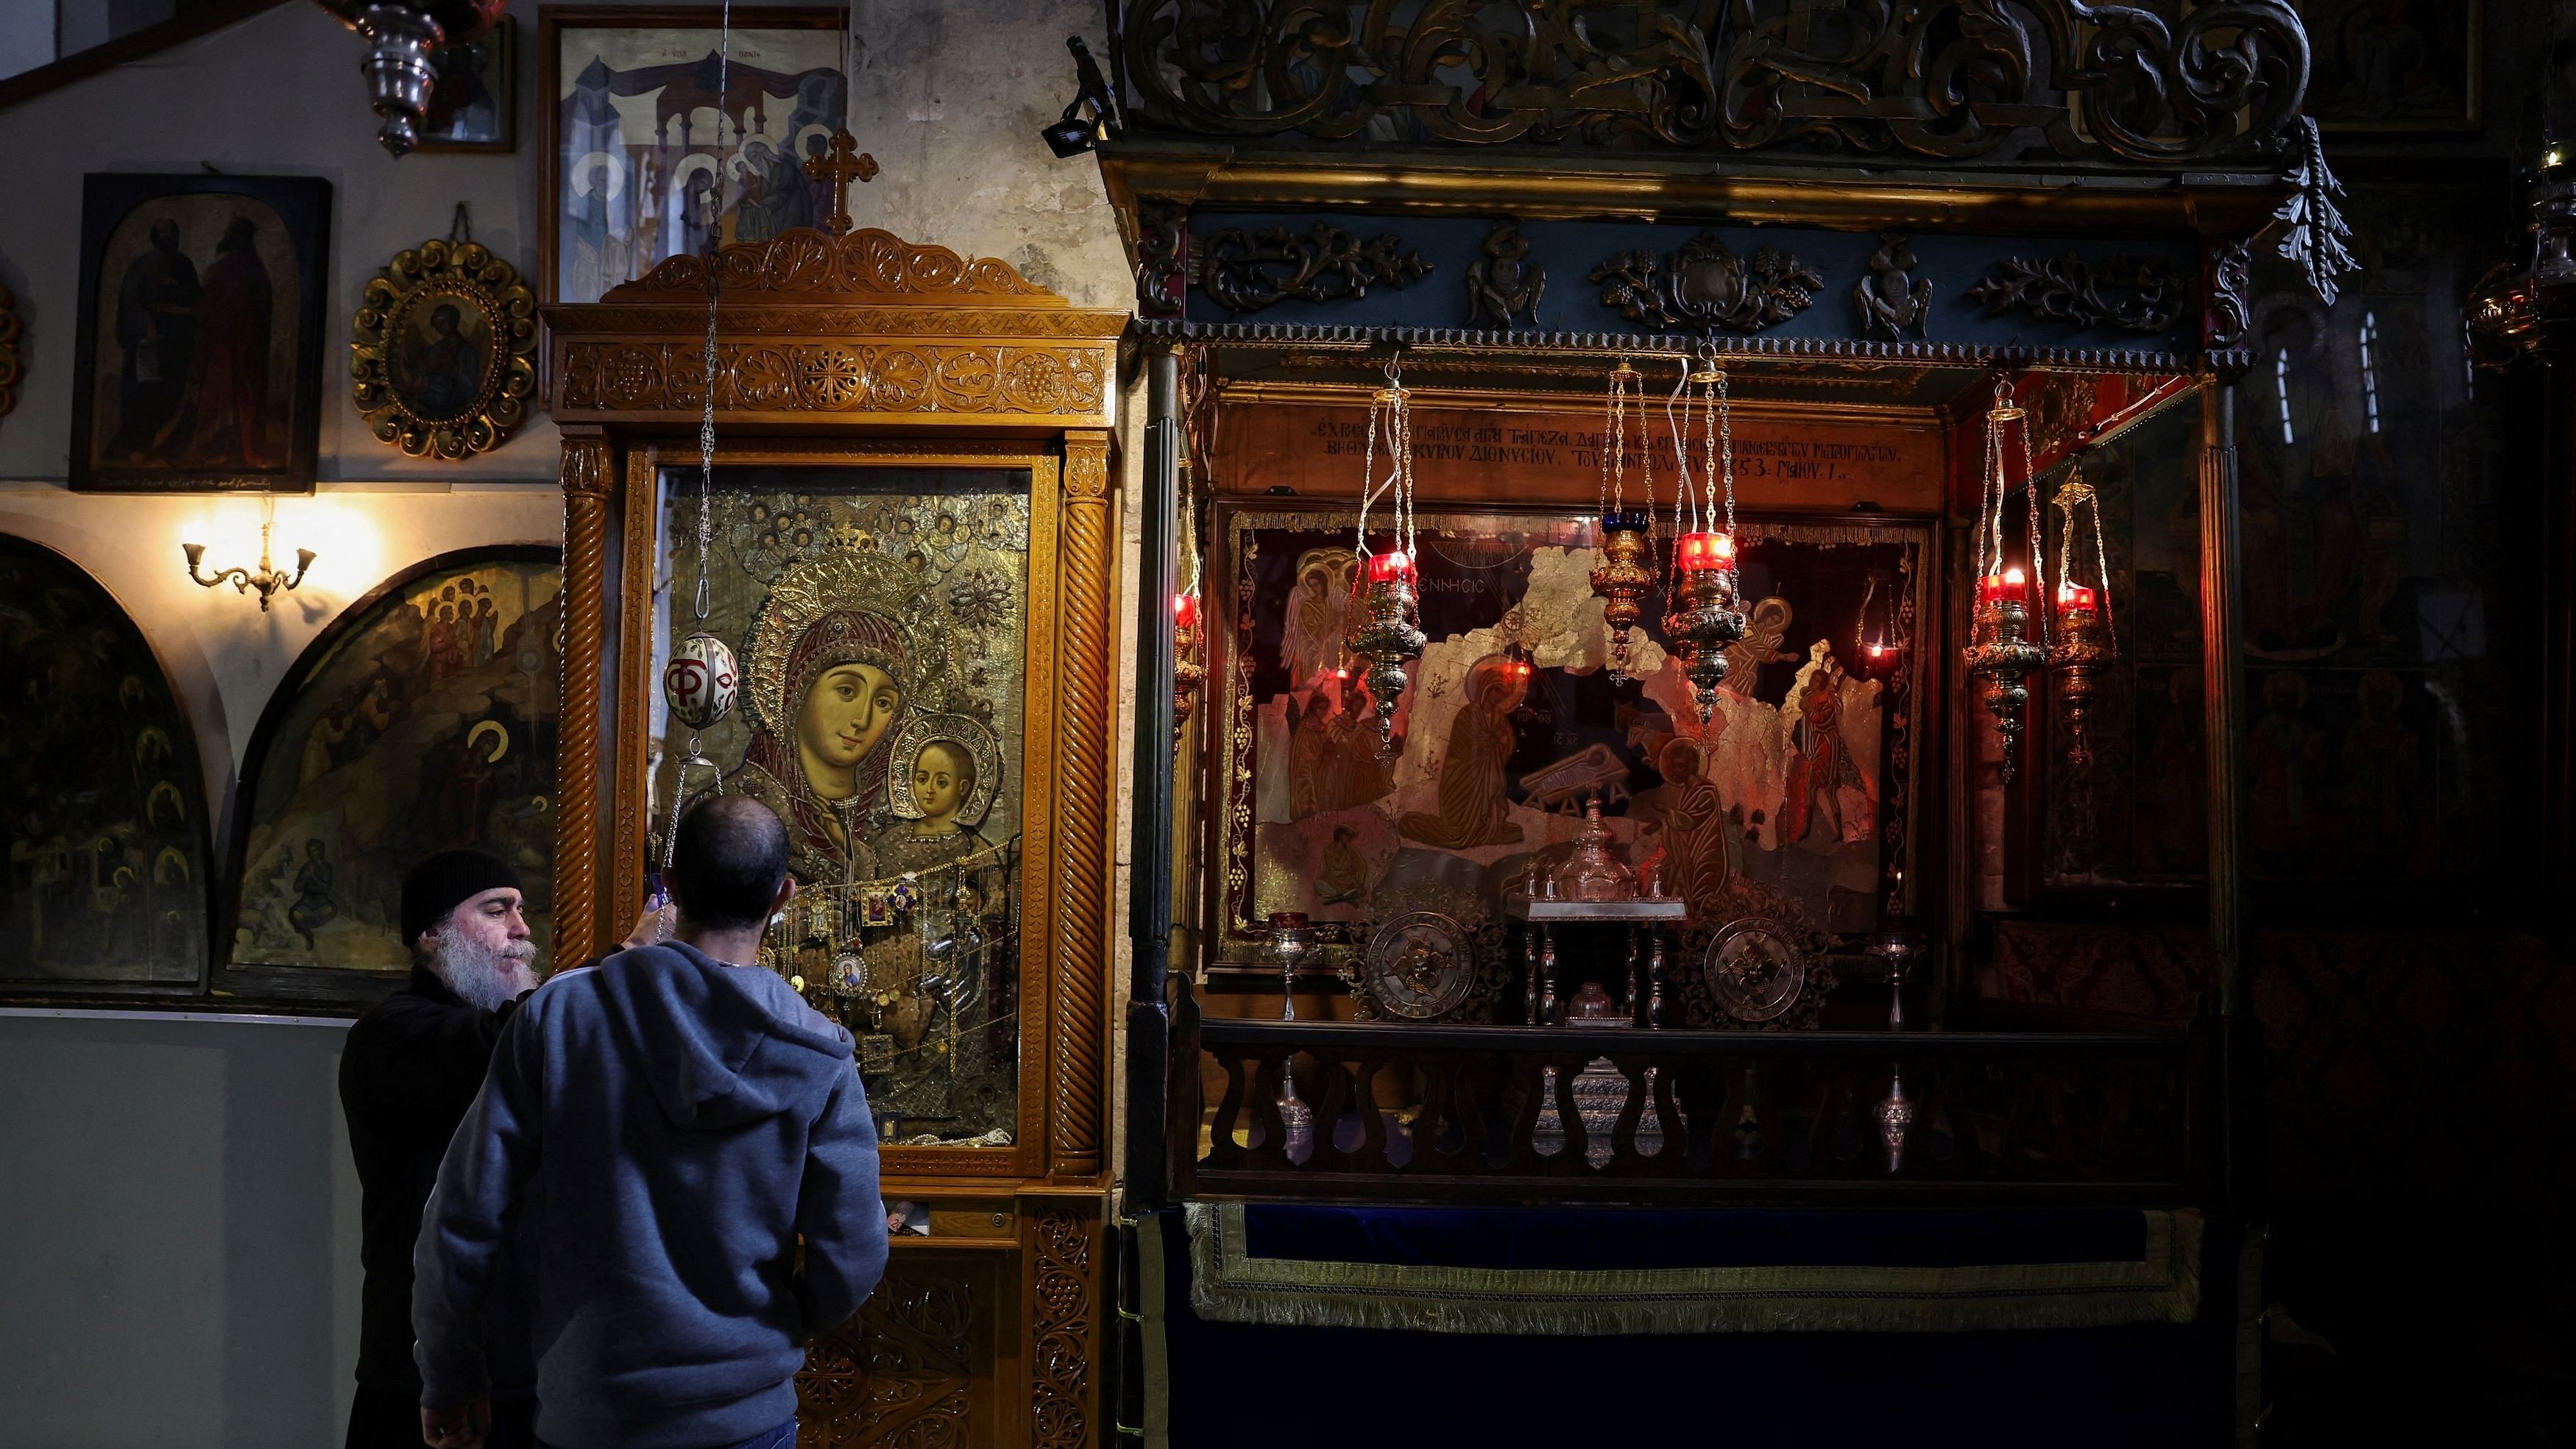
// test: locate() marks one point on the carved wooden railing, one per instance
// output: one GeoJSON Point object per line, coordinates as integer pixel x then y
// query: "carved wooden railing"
{"type": "Point", "coordinates": [1499, 1114]}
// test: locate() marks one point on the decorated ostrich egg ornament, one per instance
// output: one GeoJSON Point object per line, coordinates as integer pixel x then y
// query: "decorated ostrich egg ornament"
{"type": "Point", "coordinates": [700, 681]}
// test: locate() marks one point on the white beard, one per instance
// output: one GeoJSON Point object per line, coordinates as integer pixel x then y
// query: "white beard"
{"type": "Point", "coordinates": [482, 977]}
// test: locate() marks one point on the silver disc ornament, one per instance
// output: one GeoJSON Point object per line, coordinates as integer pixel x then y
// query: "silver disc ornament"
{"type": "Point", "coordinates": [1755, 970]}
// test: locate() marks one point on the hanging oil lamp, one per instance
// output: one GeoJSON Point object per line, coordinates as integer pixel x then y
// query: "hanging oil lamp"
{"type": "Point", "coordinates": [1387, 628]}
{"type": "Point", "coordinates": [1625, 574]}
{"type": "Point", "coordinates": [2000, 651]}
{"type": "Point", "coordinates": [1704, 619]}
{"type": "Point", "coordinates": [1879, 655]}
{"type": "Point", "coordinates": [2086, 639]}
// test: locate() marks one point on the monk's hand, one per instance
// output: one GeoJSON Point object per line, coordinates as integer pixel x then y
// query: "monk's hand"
{"type": "Point", "coordinates": [461, 1426]}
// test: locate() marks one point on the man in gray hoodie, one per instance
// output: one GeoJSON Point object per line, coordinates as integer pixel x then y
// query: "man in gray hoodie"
{"type": "Point", "coordinates": [672, 1123]}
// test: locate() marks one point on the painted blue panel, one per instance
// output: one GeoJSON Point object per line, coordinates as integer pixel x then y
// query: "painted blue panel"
{"type": "Point", "coordinates": [1569, 250]}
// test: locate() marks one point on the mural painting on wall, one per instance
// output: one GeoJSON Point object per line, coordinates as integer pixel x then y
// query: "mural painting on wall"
{"type": "Point", "coordinates": [200, 333]}
{"type": "Point", "coordinates": [879, 618]}
{"type": "Point", "coordinates": [2377, 591]}
{"type": "Point", "coordinates": [423, 720]}
{"type": "Point", "coordinates": [2393, 65]}
{"type": "Point", "coordinates": [101, 800]}
{"type": "Point", "coordinates": [646, 161]}
{"type": "Point", "coordinates": [1512, 722]}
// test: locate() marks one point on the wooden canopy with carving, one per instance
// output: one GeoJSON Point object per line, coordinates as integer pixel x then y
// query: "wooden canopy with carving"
{"type": "Point", "coordinates": [864, 330]}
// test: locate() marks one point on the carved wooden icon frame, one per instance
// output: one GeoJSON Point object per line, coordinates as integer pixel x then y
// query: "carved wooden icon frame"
{"type": "Point", "coordinates": [420, 318]}
{"type": "Point", "coordinates": [867, 351]}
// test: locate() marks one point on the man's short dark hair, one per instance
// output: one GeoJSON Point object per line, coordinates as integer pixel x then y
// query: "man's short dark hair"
{"type": "Point", "coordinates": [727, 862]}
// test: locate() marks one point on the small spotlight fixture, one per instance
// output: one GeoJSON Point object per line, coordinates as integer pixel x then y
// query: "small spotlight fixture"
{"type": "Point", "coordinates": [1075, 132]}
{"type": "Point", "coordinates": [270, 581]}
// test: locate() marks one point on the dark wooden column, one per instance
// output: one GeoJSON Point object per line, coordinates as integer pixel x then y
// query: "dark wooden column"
{"type": "Point", "coordinates": [2223, 706]}
{"type": "Point", "coordinates": [1149, 873]}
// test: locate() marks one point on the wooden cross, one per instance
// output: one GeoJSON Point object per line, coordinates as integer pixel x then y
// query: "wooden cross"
{"type": "Point", "coordinates": [843, 163]}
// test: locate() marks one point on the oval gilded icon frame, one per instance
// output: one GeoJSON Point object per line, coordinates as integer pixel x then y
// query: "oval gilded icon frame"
{"type": "Point", "coordinates": [468, 274]}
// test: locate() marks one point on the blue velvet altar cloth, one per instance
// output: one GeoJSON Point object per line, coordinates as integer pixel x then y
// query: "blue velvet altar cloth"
{"type": "Point", "coordinates": [1232, 1385]}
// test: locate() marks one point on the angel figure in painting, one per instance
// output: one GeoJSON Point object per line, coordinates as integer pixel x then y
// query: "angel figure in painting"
{"type": "Point", "coordinates": [1827, 804]}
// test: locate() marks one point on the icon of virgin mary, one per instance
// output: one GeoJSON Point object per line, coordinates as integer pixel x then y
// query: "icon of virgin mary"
{"type": "Point", "coordinates": [832, 677]}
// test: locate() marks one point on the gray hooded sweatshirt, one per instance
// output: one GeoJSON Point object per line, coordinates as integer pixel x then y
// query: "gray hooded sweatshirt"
{"type": "Point", "coordinates": [671, 1127]}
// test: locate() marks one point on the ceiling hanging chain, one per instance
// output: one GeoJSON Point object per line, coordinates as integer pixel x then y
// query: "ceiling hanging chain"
{"type": "Point", "coordinates": [1704, 619]}
{"type": "Point", "coordinates": [1625, 574]}
{"type": "Point", "coordinates": [1999, 648]}
{"type": "Point", "coordinates": [701, 678]}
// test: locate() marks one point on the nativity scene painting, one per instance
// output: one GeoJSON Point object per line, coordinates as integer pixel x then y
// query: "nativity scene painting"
{"type": "Point", "coordinates": [649, 162]}
{"type": "Point", "coordinates": [879, 620]}
{"type": "Point", "coordinates": [422, 721]}
{"type": "Point", "coordinates": [1514, 721]}
{"type": "Point", "coordinates": [102, 812]}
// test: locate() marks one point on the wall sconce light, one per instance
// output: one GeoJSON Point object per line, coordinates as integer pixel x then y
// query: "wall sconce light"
{"type": "Point", "coordinates": [268, 580]}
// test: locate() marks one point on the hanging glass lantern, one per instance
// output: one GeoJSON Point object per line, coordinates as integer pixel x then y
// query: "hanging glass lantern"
{"type": "Point", "coordinates": [1879, 653]}
{"type": "Point", "coordinates": [2086, 638]}
{"type": "Point", "coordinates": [1704, 619]}
{"type": "Point", "coordinates": [2000, 650]}
{"type": "Point", "coordinates": [1386, 630]}
{"type": "Point", "coordinates": [1625, 574]}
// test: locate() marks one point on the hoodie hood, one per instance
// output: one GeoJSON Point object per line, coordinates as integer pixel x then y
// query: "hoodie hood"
{"type": "Point", "coordinates": [726, 1045]}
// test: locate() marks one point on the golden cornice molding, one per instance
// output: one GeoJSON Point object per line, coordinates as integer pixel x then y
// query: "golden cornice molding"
{"type": "Point", "coordinates": [867, 263]}
{"type": "Point", "coordinates": [1548, 186]}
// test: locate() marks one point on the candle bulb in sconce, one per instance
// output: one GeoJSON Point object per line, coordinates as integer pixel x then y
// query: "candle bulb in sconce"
{"type": "Point", "coordinates": [1389, 566]}
{"type": "Point", "coordinates": [1693, 552]}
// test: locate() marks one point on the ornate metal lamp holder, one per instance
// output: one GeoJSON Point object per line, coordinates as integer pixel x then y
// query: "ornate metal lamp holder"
{"type": "Point", "coordinates": [1626, 573]}
{"type": "Point", "coordinates": [2086, 638]}
{"type": "Point", "coordinates": [2001, 651]}
{"type": "Point", "coordinates": [1704, 619]}
{"type": "Point", "coordinates": [1387, 631]}
{"type": "Point", "coordinates": [268, 579]}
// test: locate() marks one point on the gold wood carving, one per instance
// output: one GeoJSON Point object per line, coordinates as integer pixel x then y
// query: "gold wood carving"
{"type": "Point", "coordinates": [1063, 1325]}
{"type": "Point", "coordinates": [455, 279]}
{"type": "Point", "coordinates": [585, 475]}
{"type": "Point", "coordinates": [1083, 730]}
{"type": "Point", "coordinates": [866, 263]}
{"type": "Point", "coordinates": [836, 377]}
{"type": "Point", "coordinates": [905, 1370]}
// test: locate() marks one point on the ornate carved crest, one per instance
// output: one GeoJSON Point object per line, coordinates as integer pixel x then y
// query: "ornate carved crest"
{"type": "Point", "coordinates": [445, 357]}
{"type": "Point", "coordinates": [1703, 287]}
{"type": "Point", "coordinates": [1504, 283]}
{"type": "Point", "coordinates": [870, 263]}
{"type": "Point", "coordinates": [1246, 271]}
{"type": "Point", "coordinates": [1891, 298]}
{"type": "Point", "coordinates": [2231, 277]}
{"type": "Point", "coordinates": [1942, 80]}
{"type": "Point", "coordinates": [2130, 293]}
{"type": "Point", "coordinates": [1162, 257]}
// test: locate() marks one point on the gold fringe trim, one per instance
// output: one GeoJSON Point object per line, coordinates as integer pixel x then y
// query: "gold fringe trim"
{"type": "Point", "coordinates": [1229, 1285]}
